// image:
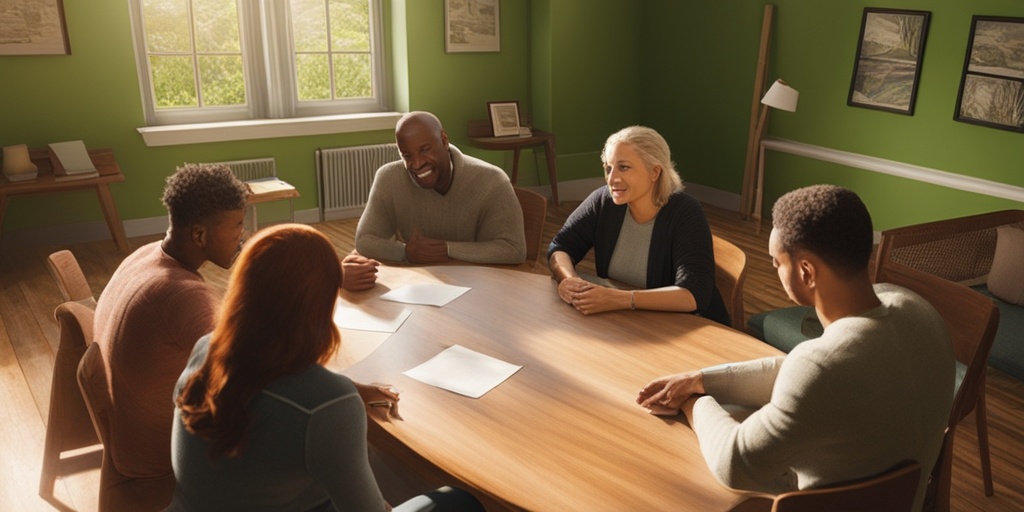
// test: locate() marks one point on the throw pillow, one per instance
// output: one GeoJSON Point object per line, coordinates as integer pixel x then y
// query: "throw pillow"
{"type": "Point", "coordinates": [1006, 280]}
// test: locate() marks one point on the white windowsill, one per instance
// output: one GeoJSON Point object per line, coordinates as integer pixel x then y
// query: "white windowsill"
{"type": "Point", "coordinates": [266, 128]}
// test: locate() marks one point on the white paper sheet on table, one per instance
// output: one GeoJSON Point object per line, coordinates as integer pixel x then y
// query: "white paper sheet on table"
{"type": "Point", "coordinates": [428, 294]}
{"type": "Point", "coordinates": [463, 371]}
{"type": "Point", "coordinates": [349, 317]}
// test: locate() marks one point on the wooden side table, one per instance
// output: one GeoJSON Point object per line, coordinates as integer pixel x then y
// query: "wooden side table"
{"type": "Point", "coordinates": [483, 140]}
{"type": "Point", "coordinates": [46, 182]}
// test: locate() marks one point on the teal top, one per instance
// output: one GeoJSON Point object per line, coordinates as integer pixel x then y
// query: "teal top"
{"type": "Point", "coordinates": [305, 445]}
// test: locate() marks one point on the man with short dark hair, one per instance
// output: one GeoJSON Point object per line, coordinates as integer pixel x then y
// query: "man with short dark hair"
{"type": "Point", "coordinates": [873, 391]}
{"type": "Point", "coordinates": [154, 309]}
{"type": "Point", "coordinates": [438, 204]}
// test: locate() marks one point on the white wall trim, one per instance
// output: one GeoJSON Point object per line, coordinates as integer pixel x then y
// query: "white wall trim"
{"type": "Point", "coordinates": [66, 234]}
{"type": "Point", "coordinates": [900, 169]}
{"type": "Point", "coordinates": [266, 128]}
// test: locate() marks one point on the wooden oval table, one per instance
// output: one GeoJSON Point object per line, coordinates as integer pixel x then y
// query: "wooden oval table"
{"type": "Point", "coordinates": [564, 432]}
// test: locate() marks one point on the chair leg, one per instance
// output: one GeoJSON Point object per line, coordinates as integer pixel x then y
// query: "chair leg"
{"type": "Point", "coordinates": [51, 459]}
{"type": "Point", "coordinates": [981, 414]}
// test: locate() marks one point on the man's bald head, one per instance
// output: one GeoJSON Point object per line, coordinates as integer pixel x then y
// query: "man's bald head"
{"type": "Point", "coordinates": [423, 144]}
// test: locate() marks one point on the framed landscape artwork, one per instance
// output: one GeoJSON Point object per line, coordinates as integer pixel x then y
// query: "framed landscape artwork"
{"type": "Point", "coordinates": [472, 26]}
{"type": "Point", "coordinates": [33, 27]}
{"type": "Point", "coordinates": [889, 56]}
{"type": "Point", "coordinates": [992, 86]}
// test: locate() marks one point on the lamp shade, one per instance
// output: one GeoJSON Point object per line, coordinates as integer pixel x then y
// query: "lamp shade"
{"type": "Point", "coordinates": [781, 96]}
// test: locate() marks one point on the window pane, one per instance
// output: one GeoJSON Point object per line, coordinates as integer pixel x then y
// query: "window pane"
{"type": "Point", "coordinates": [221, 80]}
{"type": "Point", "coordinates": [313, 77]}
{"type": "Point", "coordinates": [173, 82]}
{"type": "Point", "coordinates": [166, 24]}
{"type": "Point", "coordinates": [216, 26]}
{"type": "Point", "coordinates": [350, 25]}
{"type": "Point", "coordinates": [352, 76]}
{"type": "Point", "coordinates": [309, 25]}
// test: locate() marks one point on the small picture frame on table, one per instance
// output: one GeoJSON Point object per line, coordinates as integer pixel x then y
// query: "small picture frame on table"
{"type": "Point", "coordinates": [504, 117]}
{"type": "Point", "coordinates": [992, 86]}
{"type": "Point", "coordinates": [889, 55]}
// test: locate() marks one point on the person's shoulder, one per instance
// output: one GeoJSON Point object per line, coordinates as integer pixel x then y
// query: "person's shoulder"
{"type": "Point", "coordinates": [313, 388]}
{"type": "Point", "coordinates": [680, 200]}
{"type": "Point", "coordinates": [476, 167]}
{"type": "Point", "coordinates": [390, 171]}
{"type": "Point", "coordinates": [902, 302]}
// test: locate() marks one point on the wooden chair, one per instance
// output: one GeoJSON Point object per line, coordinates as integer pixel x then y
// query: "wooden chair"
{"type": "Point", "coordinates": [535, 211]}
{"type": "Point", "coordinates": [69, 277]}
{"type": "Point", "coordinates": [972, 320]}
{"type": "Point", "coordinates": [730, 272]}
{"type": "Point", "coordinates": [893, 491]}
{"type": "Point", "coordinates": [68, 426]}
{"type": "Point", "coordinates": [117, 491]}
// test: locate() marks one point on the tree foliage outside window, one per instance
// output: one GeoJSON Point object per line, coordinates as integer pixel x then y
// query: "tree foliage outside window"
{"type": "Point", "coordinates": [197, 54]}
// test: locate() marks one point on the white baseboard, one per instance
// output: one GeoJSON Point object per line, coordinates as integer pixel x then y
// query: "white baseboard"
{"type": "Point", "coordinates": [79, 232]}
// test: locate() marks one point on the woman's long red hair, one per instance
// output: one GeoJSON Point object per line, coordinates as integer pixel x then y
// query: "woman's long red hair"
{"type": "Point", "coordinates": [276, 320]}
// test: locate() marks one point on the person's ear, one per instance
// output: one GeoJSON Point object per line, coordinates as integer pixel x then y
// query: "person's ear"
{"type": "Point", "coordinates": [808, 273]}
{"type": "Point", "coordinates": [656, 173]}
{"type": "Point", "coordinates": [198, 235]}
{"type": "Point", "coordinates": [444, 139]}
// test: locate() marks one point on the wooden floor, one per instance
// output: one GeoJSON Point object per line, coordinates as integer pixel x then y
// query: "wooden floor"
{"type": "Point", "coordinates": [29, 337]}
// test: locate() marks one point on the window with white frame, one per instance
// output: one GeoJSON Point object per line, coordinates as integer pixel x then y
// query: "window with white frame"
{"type": "Point", "coordinates": [227, 60]}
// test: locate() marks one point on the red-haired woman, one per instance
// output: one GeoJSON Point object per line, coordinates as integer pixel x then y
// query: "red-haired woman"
{"type": "Point", "coordinates": [260, 424]}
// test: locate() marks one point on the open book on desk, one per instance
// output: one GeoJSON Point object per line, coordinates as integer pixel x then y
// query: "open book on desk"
{"type": "Point", "coordinates": [269, 189]}
{"type": "Point", "coordinates": [71, 159]}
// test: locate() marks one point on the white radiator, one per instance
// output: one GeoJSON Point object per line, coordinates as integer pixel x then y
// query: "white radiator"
{"type": "Point", "coordinates": [254, 169]}
{"type": "Point", "coordinates": [344, 177]}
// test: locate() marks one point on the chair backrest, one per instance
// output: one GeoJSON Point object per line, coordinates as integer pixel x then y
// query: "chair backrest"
{"type": "Point", "coordinates": [958, 249]}
{"type": "Point", "coordinates": [971, 319]}
{"type": "Point", "coordinates": [68, 426]}
{"type": "Point", "coordinates": [535, 211]}
{"type": "Point", "coordinates": [893, 491]}
{"type": "Point", "coordinates": [70, 280]}
{"type": "Point", "coordinates": [730, 272]}
{"type": "Point", "coordinates": [117, 491]}
{"type": "Point", "coordinates": [92, 379]}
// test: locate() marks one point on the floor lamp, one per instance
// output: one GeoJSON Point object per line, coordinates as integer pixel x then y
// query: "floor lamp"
{"type": "Point", "coordinates": [783, 97]}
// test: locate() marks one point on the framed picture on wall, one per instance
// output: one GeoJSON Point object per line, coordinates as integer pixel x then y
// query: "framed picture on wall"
{"type": "Point", "coordinates": [472, 26]}
{"type": "Point", "coordinates": [992, 86]}
{"type": "Point", "coordinates": [888, 65]}
{"type": "Point", "coordinates": [504, 117]}
{"type": "Point", "coordinates": [35, 27]}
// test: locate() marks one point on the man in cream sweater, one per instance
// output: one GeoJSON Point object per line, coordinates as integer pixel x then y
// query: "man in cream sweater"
{"type": "Point", "coordinates": [874, 390]}
{"type": "Point", "coordinates": [438, 204]}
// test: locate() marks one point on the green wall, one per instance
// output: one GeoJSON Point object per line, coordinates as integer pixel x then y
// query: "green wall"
{"type": "Point", "coordinates": [583, 69]}
{"type": "Point", "coordinates": [590, 74]}
{"type": "Point", "coordinates": [705, 56]}
{"type": "Point", "coordinates": [93, 95]}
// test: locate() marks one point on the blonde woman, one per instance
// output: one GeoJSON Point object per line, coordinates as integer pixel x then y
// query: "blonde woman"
{"type": "Point", "coordinates": [645, 232]}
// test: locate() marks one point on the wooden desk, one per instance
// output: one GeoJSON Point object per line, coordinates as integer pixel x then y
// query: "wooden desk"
{"type": "Point", "coordinates": [46, 182]}
{"type": "Point", "coordinates": [539, 138]}
{"type": "Point", "coordinates": [563, 433]}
